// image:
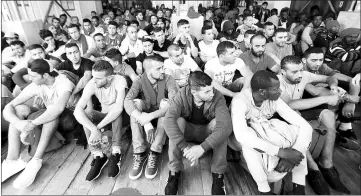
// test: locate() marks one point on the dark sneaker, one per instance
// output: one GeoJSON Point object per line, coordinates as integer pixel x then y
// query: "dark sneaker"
{"type": "Point", "coordinates": [152, 167]}
{"type": "Point", "coordinates": [218, 187]}
{"type": "Point", "coordinates": [139, 161]}
{"type": "Point", "coordinates": [114, 165]}
{"type": "Point", "coordinates": [317, 182]}
{"type": "Point", "coordinates": [96, 168]}
{"type": "Point", "coordinates": [333, 179]}
{"type": "Point", "coordinates": [348, 140]}
{"type": "Point", "coordinates": [172, 184]}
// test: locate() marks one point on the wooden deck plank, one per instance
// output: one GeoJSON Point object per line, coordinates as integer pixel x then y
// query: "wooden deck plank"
{"type": "Point", "coordinates": [67, 172]}
{"type": "Point", "coordinates": [243, 179]}
{"type": "Point", "coordinates": [48, 170]}
{"type": "Point", "coordinates": [164, 172]}
{"type": "Point", "coordinates": [123, 178]}
{"type": "Point", "coordinates": [207, 180]}
{"type": "Point", "coordinates": [351, 158]}
{"type": "Point", "coordinates": [79, 186]}
{"type": "Point", "coordinates": [191, 179]}
{"type": "Point", "coordinates": [231, 182]}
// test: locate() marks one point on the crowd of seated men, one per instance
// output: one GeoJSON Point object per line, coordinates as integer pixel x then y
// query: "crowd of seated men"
{"type": "Point", "coordinates": [251, 83]}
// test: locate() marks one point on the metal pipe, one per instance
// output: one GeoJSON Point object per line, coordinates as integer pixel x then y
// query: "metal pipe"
{"type": "Point", "coordinates": [24, 10]}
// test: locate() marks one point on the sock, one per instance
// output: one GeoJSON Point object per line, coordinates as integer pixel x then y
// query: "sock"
{"type": "Point", "coordinates": [98, 154]}
{"type": "Point", "coordinates": [298, 189]}
{"type": "Point", "coordinates": [116, 149]}
{"type": "Point", "coordinates": [345, 126]}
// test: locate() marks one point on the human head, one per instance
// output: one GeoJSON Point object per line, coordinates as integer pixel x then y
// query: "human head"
{"type": "Point", "coordinates": [95, 21]}
{"type": "Point", "coordinates": [161, 23]}
{"type": "Point", "coordinates": [226, 52]}
{"type": "Point", "coordinates": [63, 18]}
{"type": "Point", "coordinates": [333, 26]}
{"type": "Point", "coordinates": [87, 24]}
{"type": "Point", "coordinates": [114, 57]}
{"type": "Point", "coordinates": [148, 44]}
{"type": "Point", "coordinates": [74, 20]}
{"type": "Point", "coordinates": [313, 58]}
{"type": "Point", "coordinates": [264, 5]}
{"type": "Point", "coordinates": [228, 27]}
{"type": "Point", "coordinates": [160, 14]}
{"type": "Point", "coordinates": [159, 34]}
{"type": "Point", "coordinates": [135, 24]}
{"type": "Point", "coordinates": [36, 51]}
{"type": "Point", "coordinates": [247, 12]}
{"type": "Point", "coordinates": [247, 37]}
{"type": "Point", "coordinates": [183, 26]}
{"type": "Point", "coordinates": [72, 52]}
{"type": "Point", "coordinates": [52, 29]}
{"type": "Point", "coordinates": [99, 40]}
{"type": "Point", "coordinates": [291, 69]}
{"type": "Point", "coordinates": [47, 36]}
{"type": "Point", "coordinates": [111, 15]}
{"type": "Point", "coordinates": [168, 13]}
{"type": "Point", "coordinates": [251, 8]}
{"type": "Point", "coordinates": [330, 16]}
{"type": "Point", "coordinates": [315, 10]}
{"type": "Point", "coordinates": [39, 71]}
{"type": "Point", "coordinates": [139, 15]}
{"type": "Point", "coordinates": [280, 37]}
{"type": "Point", "coordinates": [112, 28]}
{"type": "Point", "coordinates": [285, 13]}
{"type": "Point", "coordinates": [317, 20]}
{"type": "Point", "coordinates": [154, 67]}
{"type": "Point", "coordinates": [154, 19]}
{"type": "Point", "coordinates": [266, 84]}
{"type": "Point", "coordinates": [248, 19]}
{"type": "Point", "coordinates": [208, 23]}
{"type": "Point", "coordinates": [56, 22]}
{"type": "Point", "coordinates": [258, 43]}
{"type": "Point", "coordinates": [93, 13]}
{"type": "Point", "coordinates": [132, 33]}
{"type": "Point", "coordinates": [201, 86]}
{"type": "Point", "coordinates": [127, 12]}
{"type": "Point", "coordinates": [209, 13]}
{"type": "Point", "coordinates": [274, 11]}
{"type": "Point", "coordinates": [18, 46]}
{"type": "Point", "coordinates": [269, 29]}
{"type": "Point", "coordinates": [103, 73]}
{"type": "Point", "coordinates": [74, 31]}
{"type": "Point", "coordinates": [350, 35]}
{"type": "Point", "coordinates": [240, 20]}
{"type": "Point", "coordinates": [107, 19]}
{"type": "Point", "coordinates": [10, 37]}
{"type": "Point", "coordinates": [207, 33]}
{"type": "Point", "coordinates": [176, 54]}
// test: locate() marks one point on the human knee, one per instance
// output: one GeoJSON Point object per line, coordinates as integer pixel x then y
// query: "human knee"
{"type": "Point", "coordinates": [327, 116]}
{"type": "Point", "coordinates": [22, 111]}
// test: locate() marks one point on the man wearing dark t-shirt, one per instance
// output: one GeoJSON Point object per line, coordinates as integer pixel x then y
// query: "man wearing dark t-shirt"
{"type": "Point", "coordinates": [185, 40]}
{"type": "Point", "coordinates": [148, 45]}
{"type": "Point", "coordinates": [81, 67]}
{"type": "Point", "coordinates": [161, 44]}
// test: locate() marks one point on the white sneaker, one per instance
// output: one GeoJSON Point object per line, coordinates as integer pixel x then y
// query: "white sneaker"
{"type": "Point", "coordinates": [11, 167]}
{"type": "Point", "coordinates": [27, 177]}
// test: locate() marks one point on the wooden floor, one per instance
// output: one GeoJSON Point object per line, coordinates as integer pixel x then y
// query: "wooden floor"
{"type": "Point", "coordinates": [64, 172]}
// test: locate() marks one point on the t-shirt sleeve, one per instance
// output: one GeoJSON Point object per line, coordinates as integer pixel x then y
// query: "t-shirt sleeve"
{"type": "Point", "coordinates": [139, 58]}
{"type": "Point", "coordinates": [243, 68]}
{"type": "Point", "coordinates": [88, 66]}
{"type": "Point", "coordinates": [66, 85]}
{"type": "Point", "coordinates": [270, 62]}
{"type": "Point", "coordinates": [31, 89]}
{"type": "Point", "coordinates": [191, 64]}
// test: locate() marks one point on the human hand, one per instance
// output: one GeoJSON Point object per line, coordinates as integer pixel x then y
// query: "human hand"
{"type": "Point", "coordinates": [22, 125]}
{"type": "Point", "coordinates": [332, 100]}
{"type": "Point", "coordinates": [95, 137]}
{"type": "Point", "coordinates": [356, 80]}
{"type": "Point", "coordinates": [291, 155]}
{"type": "Point", "coordinates": [351, 98]}
{"type": "Point", "coordinates": [144, 118]}
{"type": "Point", "coordinates": [70, 102]}
{"type": "Point", "coordinates": [348, 110]}
{"type": "Point", "coordinates": [284, 166]}
{"type": "Point", "coordinates": [193, 153]}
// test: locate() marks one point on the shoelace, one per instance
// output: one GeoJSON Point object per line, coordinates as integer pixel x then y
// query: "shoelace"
{"type": "Point", "coordinates": [136, 161]}
{"type": "Point", "coordinates": [152, 161]}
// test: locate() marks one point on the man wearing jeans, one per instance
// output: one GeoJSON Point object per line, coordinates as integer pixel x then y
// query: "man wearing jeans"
{"type": "Point", "coordinates": [198, 113]}
{"type": "Point", "coordinates": [153, 88]}
{"type": "Point", "coordinates": [110, 91]}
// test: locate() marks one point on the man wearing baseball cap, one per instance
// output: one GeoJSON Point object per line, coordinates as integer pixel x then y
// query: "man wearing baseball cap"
{"type": "Point", "coordinates": [54, 90]}
{"type": "Point", "coordinates": [9, 37]}
{"type": "Point", "coordinates": [345, 52]}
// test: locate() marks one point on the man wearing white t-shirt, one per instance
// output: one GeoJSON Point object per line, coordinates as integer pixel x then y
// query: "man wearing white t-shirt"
{"type": "Point", "coordinates": [131, 46]}
{"type": "Point", "coordinates": [222, 69]}
{"type": "Point", "coordinates": [179, 65]}
{"type": "Point", "coordinates": [208, 46]}
{"type": "Point", "coordinates": [54, 91]}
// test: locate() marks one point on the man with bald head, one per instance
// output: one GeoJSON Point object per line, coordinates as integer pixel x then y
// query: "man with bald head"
{"type": "Point", "coordinates": [179, 63]}
{"type": "Point", "coordinates": [131, 46]}
{"type": "Point", "coordinates": [146, 103]}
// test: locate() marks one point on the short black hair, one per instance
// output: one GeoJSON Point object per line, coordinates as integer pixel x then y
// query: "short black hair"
{"type": "Point", "coordinates": [249, 32]}
{"type": "Point", "coordinates": [55, 18]}
{"type": "Point", "coordinates": [69, 45]}
{"type": "Point", "coordinates": [182, 22]}
{"type": "Point", "coordinates": [290, 60]}
{"type": "Point", "coordinates": [157, 58]}
{"type": "Point", "coordinates": [315, 7]}
{"type": "Point", "coordinates": [265, 3]}
{"type": "Point", "coordinates": [17, 42]}
{"type": "Point", "coordinates": [98, 34]}
{"type": "Point", "coordinates": [114, 54]}
{"type": "Point", "coordinates": [86, 20]}
{"type": "Point", "coordinates": [44, 33]}
{"type": "Point", "coordinates": [205, 28]}
{"type": "Point", "coordinates": [312, 50]}
{"type": "Point", "coordinates": [258, 34]}
{"type": "Point", "coordinates": [274, 11]}
{"type": "Point", "coordinates": [207, 22]}
{"type": "Point", "coordinates": [223, 46]}
{"type": "Point", "coordinates": [95, 17]}
{"type": "Point", "coordinates": [63, 15]}
{"type": "Point", "coordinates": [134, 22]}
{"type": "Point", "coordinates": [280, 30]}
{"type": "Point", "coordinates": [268, 24]}
{"type": "Point", "coordinates": [262, 80]}
{"type": "Point", "coordinates": [245, 16]}
{"type": "Point", "coordinates": [330, 14]}
{"type": "Point", "coordinates": [198, 79]}
{"type": "Point", "coordinates": [317, 15]}
{"type": "Point", "coordinates": [93, 12]}
{"type": "Point", "coordinates": [157, 29]}
{"type": "Point", "coordinates": [103, 65]}
{"type": "Point", "coordinates": [34, 46]}
{"type": "Point", "coordinates": [113, 23]}
{"type": "Point", "coordinates": [74, 26]}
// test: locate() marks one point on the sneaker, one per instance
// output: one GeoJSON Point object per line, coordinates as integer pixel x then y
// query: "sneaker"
{"type": "Point", "coordinates": [152, 167]}
{"type": "Point", "coordinates": [27, 177]}
{"type": "Point", "coordinates": [172, 184]}
{"type": "Point", "coordinates": [317, 182]}
{"type": "Point", "coordinates": [96, 167]}
{"type": "Point", "coordinates": [114, 165]}
{"type": "Point", "coordinates": [332, 177]}
{"type": "Point", "coordinates": [139, 161]}
{"type": "Point", "coordinates": [348, 140]}
{"type": "Point", "coordinates": [11, 167]}
{"type": "Point", "coordinates": [218, 187]}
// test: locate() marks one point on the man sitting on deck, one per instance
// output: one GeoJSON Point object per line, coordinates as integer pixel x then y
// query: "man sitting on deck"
{"type": "Point", "coordinates": [269, 153]}
{"type": "Point", "coordinates": [198, 113]}
{"type": "Point", "coordinates": [153, 89]}
{"type": "Point", "coordinates": [54, 90]}
{"type": "Point", "coordinates": [110, 91]}
{"type": "Point", "coordinates": [293, 83]}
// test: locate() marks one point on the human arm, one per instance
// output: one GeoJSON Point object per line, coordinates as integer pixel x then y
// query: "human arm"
{"type": "Point", "coordinates": [163, 54]}
{"type": "Point", "coordinates": [349, 108]}
{"type": "Point", "coordinates": [339, 52]}
{"type": "Point", "coordinates": [132, 94]}
{"type": "Point", "coordinates": [194, 49]}
{"type": "Point", "coordinates": [306, 36]}
{"type": "Point", "coordinates": [130, 72]}
{"type": "Point", "coordinates": [139, 67]}
{"type": "Point", "coordinates": [18, 78]}
{"type": "Point", "coordinates": [82, 82]}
